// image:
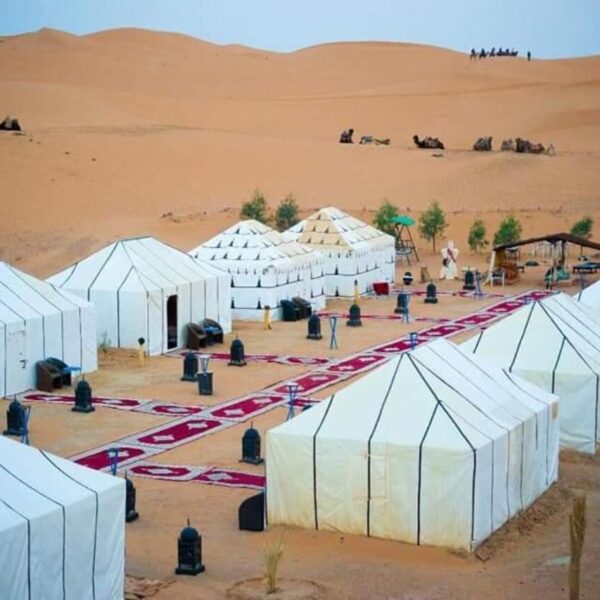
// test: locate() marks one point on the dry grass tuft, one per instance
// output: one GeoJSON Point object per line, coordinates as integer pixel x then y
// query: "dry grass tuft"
{"type": "Point", "coordinates": [273, 554]}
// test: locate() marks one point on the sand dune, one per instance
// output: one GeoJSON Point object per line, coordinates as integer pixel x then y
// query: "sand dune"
{"type": "Point", "coordinates": [126, 125]}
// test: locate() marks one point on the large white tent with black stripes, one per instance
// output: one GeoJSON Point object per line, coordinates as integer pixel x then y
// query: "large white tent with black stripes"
{"type": "Point", "coordinates": [431, 448]}
{"type": "Point", "coordinates": [38, 321]}
{"type": "Point", "coordinates": [555, 344]}
{"type": "Point", "coordinates": [356, 254]}
{"type": "Point", "coordinates": [142, 288]}
{"type": "Point", "coordinates": [62, 528]}
{"type": "Point", "coordinates": [265, 269]}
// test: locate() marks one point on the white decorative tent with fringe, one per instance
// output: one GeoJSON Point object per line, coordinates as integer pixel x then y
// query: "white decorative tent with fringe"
{"type": "Point", "coordinates": [434, 447]}
{"type": "Point", "coordinates": [142, 288]}
{"type": "Point", "coordinates": [38, 321]}
{"type": "Point", "coordinates": [265, 268]}
{"type": "Point", "coordinates": [62, 528]}
{"type": "Point", "coordinates": [353, 250]}
{"type": "Point", "coordinates": [555, 344]}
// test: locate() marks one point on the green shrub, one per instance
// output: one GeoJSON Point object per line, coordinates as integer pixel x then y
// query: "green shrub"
{"type": "Point", "coordinates": [286, 215]}
{"type": "Point", "coordinates": [383, 217]}
{"type": "Point", "coordinates": [509, 231]}
{"type": "Point", "coordinates": [256, 208]}
{"type": "Point", "coordinates": [477, 233]}
{"type": "Point", "coordinates": [432, 223]}
{"type": "Point", "coordinates": [583, 228]}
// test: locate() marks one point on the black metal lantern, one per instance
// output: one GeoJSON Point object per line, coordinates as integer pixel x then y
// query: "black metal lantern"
{"type": "Point", "coordinates": [83, 397]}
{"type": "Point", "coordinates": [190, 367]}
{"type": "Point", "coordinates": [469, 281]}
{"type": "Point", "coordinates": [354, 314]}
{"type": "Point", "coordinates": [314, 327]}
{"type": "Point", "coordinates": [15, 418]}
{"type": "Point", "coordinates": [402, 303]}
{"type": "Point", "coordinates": [189, 552]}
{"type": "Point", "coordinates": [205, 384]}
{"type": "Point", "coordinates": [407, 278]}
{"type": "Point", "coordinates": [237, 356]}
{"type": "Point", "coordinates": [130, 513]}
{"type": "Point", "coordinates": [431, 294]}
{"type": "Point", "coordinates": [251, 447]}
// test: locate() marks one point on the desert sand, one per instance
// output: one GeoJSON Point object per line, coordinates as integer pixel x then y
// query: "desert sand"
{"type": "Point", "coordinates": [131, 132]}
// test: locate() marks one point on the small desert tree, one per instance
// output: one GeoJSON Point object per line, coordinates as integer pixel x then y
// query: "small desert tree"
{"type": "Point", "coordinates": [432, 223]}
{"type": "Point", "coordinates": [509, 231]}
{"type": "Point", "coordinates": [583, 228]}
{"type": "Point", "coordinates": [477, 233]}
{"type": "Point", "coordinates": [384, 215]}
{"type": "Point", "coordinates": [273, 553]}
{"type": "Point", "coordinates": [286, 215]}
{"type": "Point", "coordinates": [256, 208]}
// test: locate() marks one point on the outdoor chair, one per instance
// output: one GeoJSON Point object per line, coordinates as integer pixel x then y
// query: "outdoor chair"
{"type": "Point", "coordinates": [290, 311]}
{"type": "Point", "coordinates": [196, 337]}
{"type": "Point", "coordinates": [303, 306]}
{"type": "Point", "coordinates": [63, 368]}
{"type": "Point", "coordinates": [498, 276]}
{"type": "Point", "coordinates": [47, 377]}
{"type": "Point", "coordinates": [213, 331]}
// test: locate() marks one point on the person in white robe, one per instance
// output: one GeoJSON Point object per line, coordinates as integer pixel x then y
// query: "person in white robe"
{"type": "Point", "coordinates": [449, 258]}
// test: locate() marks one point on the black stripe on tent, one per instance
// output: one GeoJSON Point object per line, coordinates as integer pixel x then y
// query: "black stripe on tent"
{"type": "Point", "coordinates": [64, 520]}
{"type": "Point", "coordinates": [81, 339]}
{"type": "Point", "coordinates": [523, 332]}
{"type": "Point", "coordinates": [562, 345]}
{"type": "Point", "coordinates": [441, 405]}
{"type": "Point", "coordinates": [95, 518]}
{"type": "Point", "coordinates": [478, 341]}
{"type": "Point", "coordinates": [377, 420]}
{"type": "Point", "coordinates": [119, 306]}
{"type": "Point", "coordinates": [315, 459]}
{"type": "Point", "coordinates": [46, 299]}
{"type": "Point", "coordinates": [101, 268]}
{"type": "Point", "coordinates": [420, 470]}
{"type": "Point", "coordinates": [28, 545]}
{"type": "Point", "coordinates": [70, 274]}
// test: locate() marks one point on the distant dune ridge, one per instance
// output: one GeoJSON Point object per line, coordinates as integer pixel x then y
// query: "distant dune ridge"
{"type": "Point", "coordinates": [159, 122]}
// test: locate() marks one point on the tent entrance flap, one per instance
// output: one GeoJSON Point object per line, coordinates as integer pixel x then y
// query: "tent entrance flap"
{"type": "Point", "coordinates": [172, 328]}
{"type": "Point", "coordinates": [16, 354]}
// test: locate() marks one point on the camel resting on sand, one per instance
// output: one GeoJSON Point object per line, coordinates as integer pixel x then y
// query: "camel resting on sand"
{"type": "Point", "coordinates": [527, 147]}
{"type": "Point", "coordinates": [369, 139]}
{"type": "Point", "coordinates": [483, 144]}
{"type": "Point", "coordinates": [508, 145]}
{"type": "Point", "coordinates": [10, 124]}
{"type": "Point", "coordinates": [428, 142]}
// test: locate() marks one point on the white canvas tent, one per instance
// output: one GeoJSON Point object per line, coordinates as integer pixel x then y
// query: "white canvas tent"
{"type": "Point", "coordinates": [590, 296]}
{"type": "Point", "coordinates": [62, 528]}
{"type": "Point", "coordinates": [38, 321]}
{"type": "Point", "coordinates": [354, 251]}
{"type": "Point", "coordinates": [555, 344]}
{"type": "Point", "coordinates": [430, 448]}
{"type": "Point", "coordinates": [265, 268]}
{"type": "Point", "coordinates": [142, 288]}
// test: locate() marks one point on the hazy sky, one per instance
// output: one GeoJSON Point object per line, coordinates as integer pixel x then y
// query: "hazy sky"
{"type": "Point", "coordinates": [550, 28]}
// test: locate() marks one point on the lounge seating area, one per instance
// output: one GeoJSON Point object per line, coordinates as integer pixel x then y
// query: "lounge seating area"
{"type": "Point", "coordinates": [202, 335]}
{"type": "Point", "coordinates": [52, 374]}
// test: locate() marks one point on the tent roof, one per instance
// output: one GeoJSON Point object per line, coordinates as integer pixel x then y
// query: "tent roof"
{"type": "Point", "coordinates": [471, 404]}
{"type": "Point", "coordinates": [577, 324]}
{"type": "Point", "coordinates": [553, 239]}
{"type": "Point", "coordinates": [142, 263]}
{"type": "Point", "coordinates": [250, 243]}
{"type": "Point", "coordinates": [332, 229]}
{"type": "Point", "coordinates": [22, 296]}
{"type": "Point", "coordinates": [590, 295]}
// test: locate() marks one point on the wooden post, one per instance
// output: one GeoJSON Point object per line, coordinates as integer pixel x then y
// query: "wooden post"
{"type": "Point", "coordinates": [577, 535]}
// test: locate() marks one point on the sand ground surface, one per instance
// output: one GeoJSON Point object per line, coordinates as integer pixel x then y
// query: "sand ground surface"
{"type": "Point", "coordinates": [131, 132]}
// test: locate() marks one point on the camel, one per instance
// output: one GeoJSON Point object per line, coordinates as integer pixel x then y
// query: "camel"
{"type": "Point", "coordinates": [346, 136]}
{"type": "Point", "coordinates": [10, 124]}
{"type": "Point", "coordinates": [526, 147]}
{"type": "Point", "coordinates": [508, 145]}
{"type": "Point", "coordinates": [483, 144]}
{"type": "Point", "coordinates": [369, 139]}
{"type": "Point", "coordinates": [428, 142]}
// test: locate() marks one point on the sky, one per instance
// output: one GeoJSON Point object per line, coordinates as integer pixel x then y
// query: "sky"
{"type": "Point", "coordinates": [549, 28]}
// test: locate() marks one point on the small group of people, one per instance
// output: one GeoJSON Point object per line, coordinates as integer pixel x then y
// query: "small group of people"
{"type": "Point", "coordinates": [493, 52]}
